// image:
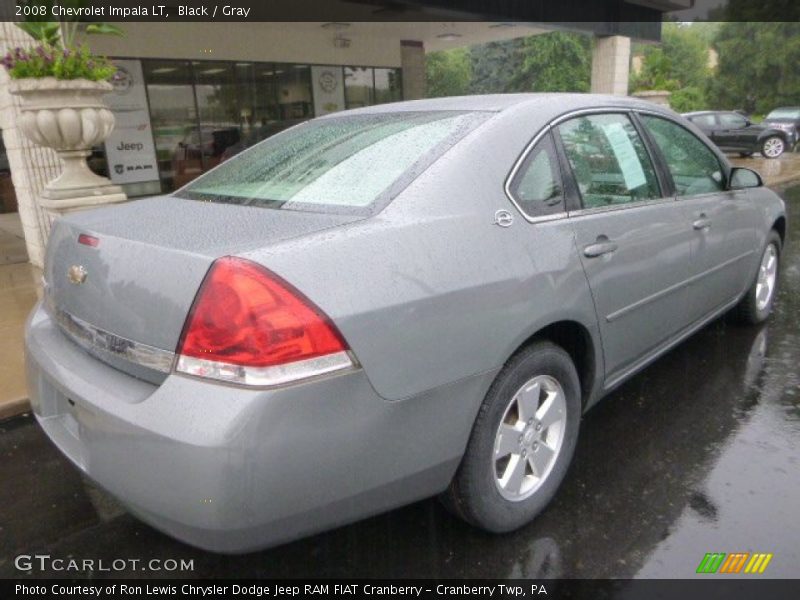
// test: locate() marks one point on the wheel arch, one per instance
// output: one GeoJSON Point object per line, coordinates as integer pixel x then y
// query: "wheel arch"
{"type": "Point", "coordinates": [578, 341]}
{"type": "Point", "coordinates": [780, 226]}
{"type": "Point", "coordinates": [770, 134]}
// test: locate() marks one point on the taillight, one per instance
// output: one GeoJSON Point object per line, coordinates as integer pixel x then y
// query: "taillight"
{"type": "Point", "coordinates": [250, 327]}
{"type": "Point", "coordinates": [88, 240]}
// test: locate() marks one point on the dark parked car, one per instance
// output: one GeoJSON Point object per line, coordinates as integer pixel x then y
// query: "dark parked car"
{"type": "Point", "coordinates": [787, 119]}
{"type": "Point", "coordinates": [733, 132]}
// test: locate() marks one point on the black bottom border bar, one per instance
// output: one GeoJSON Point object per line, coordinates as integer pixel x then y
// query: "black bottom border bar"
{"type": "Point", "coordinates": [599, 589]}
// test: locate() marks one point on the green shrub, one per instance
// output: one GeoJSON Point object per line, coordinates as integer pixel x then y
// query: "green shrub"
{"type": "Point", "coordinates": [687, 99]}
{"type": "Point", "coordinates": [62, 63]}
{"type": "Point", "coordinates": [57, 54]}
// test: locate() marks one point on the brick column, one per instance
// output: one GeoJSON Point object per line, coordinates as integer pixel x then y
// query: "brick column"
{"type": "Point", "coordinates": [610, 65]}
{"type": "Point", "coordinates": [31, 166]}
{"type": "Point", "coordinates": [412, 62]}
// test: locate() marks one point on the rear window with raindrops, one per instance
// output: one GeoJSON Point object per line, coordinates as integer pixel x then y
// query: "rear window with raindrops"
{"type": "Point", "coordinates": [345, 164]}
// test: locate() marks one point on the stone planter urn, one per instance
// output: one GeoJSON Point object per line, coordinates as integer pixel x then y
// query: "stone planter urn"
{"type": "Point", "coordinates": [68, 116]}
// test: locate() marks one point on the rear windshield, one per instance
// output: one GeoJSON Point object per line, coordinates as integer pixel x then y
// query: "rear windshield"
{"type": "Point", "coordinates": [350, 164]}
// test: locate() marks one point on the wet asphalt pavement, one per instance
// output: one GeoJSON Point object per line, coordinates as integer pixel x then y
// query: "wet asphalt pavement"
{"type": "Point", "coordinates": [699, 453]}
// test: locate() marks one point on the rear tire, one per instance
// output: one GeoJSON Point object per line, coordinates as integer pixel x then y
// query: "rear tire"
{"type": "Point", "coordinates": [757, 303]}
{"type": "Point", "coordinates": [773, 147]}
{"type": "Point", "coordinates": [522, 441]}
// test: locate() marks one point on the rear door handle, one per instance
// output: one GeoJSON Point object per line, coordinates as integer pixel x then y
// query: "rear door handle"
{"type": "Point", "coordinates": [702, 223]}
{"type": "Point", "coordinates": [599, 249]}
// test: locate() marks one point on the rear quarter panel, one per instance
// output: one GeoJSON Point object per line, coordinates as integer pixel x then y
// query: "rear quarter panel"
{"type": "Point", "coordinates": [769, 207]}
{"type": "Point", "coordinates": [431, 290]}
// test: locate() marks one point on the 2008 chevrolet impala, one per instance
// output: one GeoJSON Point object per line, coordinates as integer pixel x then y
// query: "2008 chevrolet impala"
{"type": "Point", "coordinates": [387, 304]}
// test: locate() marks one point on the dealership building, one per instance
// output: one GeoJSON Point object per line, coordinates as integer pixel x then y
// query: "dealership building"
{"type": "Point", "coordinates": [192, 94]}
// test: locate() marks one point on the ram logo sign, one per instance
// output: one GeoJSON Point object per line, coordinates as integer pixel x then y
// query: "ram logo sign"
{"type": "Point", "coordinates": [734, 563]}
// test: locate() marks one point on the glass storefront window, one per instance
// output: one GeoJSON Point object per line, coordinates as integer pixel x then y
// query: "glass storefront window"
{"type": "Point", "coordinates": [358, 87]}
{"type": "Point", "coordinates": [173, 116]}
{"type": "Point", "coordinates": [388, 86]}
{"type": "Point", "coordinates": [265, 94]}
{"type": "Point", "coordinates": [8, 197]}
{"type": "Point", "coordinates": [205, 112]}
{"type": "Point", "coordinates": [223, 113]}
{"type": "Point", "coordinates": [294, 92]}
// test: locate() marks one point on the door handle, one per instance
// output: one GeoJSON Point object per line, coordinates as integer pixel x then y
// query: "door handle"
{"type": "Point", "coordinates": [702, 223]}
{"type": "Point", "coordinates": [599, 248]}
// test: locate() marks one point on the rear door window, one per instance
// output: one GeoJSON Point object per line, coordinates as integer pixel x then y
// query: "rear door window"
{"type": "Point", "coordinates": [732, 121]}
{"type": "Point", "coordinates": [609, 160]}
{"type": "Point", "coordinates": [708, 121]}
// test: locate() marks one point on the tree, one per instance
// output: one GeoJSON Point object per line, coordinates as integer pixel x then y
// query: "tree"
{"type": "Point", "coordinates": [448, 72]}
{"type": "Point", "coordinates": [552, 62]}
{"type": "Point", "coordinates": [758, 66]}
{"type": "Point", "coordinates": [678, 65]}
{"type": "Point", "coordinates": [556, 62]}
{"type": "Point", "coordinates": [495, 65]}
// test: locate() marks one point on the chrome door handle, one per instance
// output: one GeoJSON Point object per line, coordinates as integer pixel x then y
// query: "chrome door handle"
{"type": "Point", "coordinates": [702, 223]}
{"type": "Point", "coordinates": [598, 249]}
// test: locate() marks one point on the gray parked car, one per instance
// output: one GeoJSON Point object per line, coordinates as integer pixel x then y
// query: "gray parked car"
{"type": "Point", "coordinates": [387, 304]}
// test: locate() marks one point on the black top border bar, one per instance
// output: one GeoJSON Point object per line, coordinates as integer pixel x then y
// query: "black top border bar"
{"type": "Point", "coordinates": [535, 11]}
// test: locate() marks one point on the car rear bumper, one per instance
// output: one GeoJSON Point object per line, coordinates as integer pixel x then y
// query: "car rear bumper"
{"type": "Point", "coordinates": [232, 470]}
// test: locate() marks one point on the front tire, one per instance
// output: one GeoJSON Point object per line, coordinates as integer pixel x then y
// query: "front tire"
{"type": "Point", "coordinates": [522, 442]}
{"type": "Point", "coordinates": [773, 147]}
{"type": "Point", "coordinates": [757, 303]}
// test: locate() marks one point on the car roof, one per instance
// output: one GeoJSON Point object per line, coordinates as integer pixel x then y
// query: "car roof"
{"type": "Point", "coordinates": [500, 102]}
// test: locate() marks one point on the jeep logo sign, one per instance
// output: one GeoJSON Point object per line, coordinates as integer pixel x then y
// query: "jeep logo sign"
{"type": "Point", "coordinates": [127, 147]}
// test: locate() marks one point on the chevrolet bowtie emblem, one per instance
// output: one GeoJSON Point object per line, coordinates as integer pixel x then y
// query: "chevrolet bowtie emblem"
{"type": "Point", "coordinates": [77, 274]}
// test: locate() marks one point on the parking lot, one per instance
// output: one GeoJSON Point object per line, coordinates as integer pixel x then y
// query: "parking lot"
{"type": "Point", "coordinates": [698, 453]}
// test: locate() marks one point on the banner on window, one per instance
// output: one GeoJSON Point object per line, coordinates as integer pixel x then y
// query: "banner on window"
{"type": "Point", "coordinates": [328, 86]}
{"type": "Point", "coordinates": [130, 150]}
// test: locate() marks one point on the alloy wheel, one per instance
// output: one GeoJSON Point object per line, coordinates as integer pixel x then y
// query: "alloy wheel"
{"type": "Point", "coordinates": [529, 438]}
{"type": "Point", "coordinates": [773, 147]}
{"type": "Point", "coordinates": [767, 276]}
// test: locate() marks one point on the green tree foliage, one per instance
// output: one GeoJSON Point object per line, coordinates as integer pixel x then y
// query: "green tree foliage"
{"type": "Point", "coordinates": [448, 72]}
{"type": "Point", "coordinates": [758, 66]}
{"type": "Point", "coordinates": [687, 99]}
{"type": "Point", "coordinates": [556, 62]}
{"type": "Point", "coordinates": [495, 65]}
{"type": "Point", "coordinates": [679, 65]}
{"type": "Point", "coordinates": [552, 62]}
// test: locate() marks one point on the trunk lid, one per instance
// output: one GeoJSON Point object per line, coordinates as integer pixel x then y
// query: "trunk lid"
{"type": "Point", "coordinates": [142, 276]}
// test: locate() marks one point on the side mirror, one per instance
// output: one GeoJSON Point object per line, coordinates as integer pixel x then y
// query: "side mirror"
{"type": "Point", "coordinates": [747, 122]}
{"type": "Point", "coordinates": [742, 178]}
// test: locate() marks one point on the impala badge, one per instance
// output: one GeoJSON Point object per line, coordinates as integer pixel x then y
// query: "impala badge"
{"type": "Point", "coordinates": [77, 274]}
{"type": "Point", "coordinates": [503, 218]}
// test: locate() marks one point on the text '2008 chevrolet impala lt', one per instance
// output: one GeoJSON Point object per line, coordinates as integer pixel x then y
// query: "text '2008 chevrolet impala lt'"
{"type": "Point", "coordinates": [387, 304]}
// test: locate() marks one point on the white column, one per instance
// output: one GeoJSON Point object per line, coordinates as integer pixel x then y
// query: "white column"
{"type": "Point", "coordinates": [611, 65]}
{"type": "Point", "coordinates": [31, 166]}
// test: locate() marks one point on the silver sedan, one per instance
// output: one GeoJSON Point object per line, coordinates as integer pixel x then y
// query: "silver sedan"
{"type": "Point", "coordinates": [387, 304]}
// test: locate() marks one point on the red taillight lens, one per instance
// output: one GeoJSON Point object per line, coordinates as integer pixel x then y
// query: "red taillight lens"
{"type": "Point", "coordinates": [246, 321]}
{"type": "Point", "coordinates": [88, 240]}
